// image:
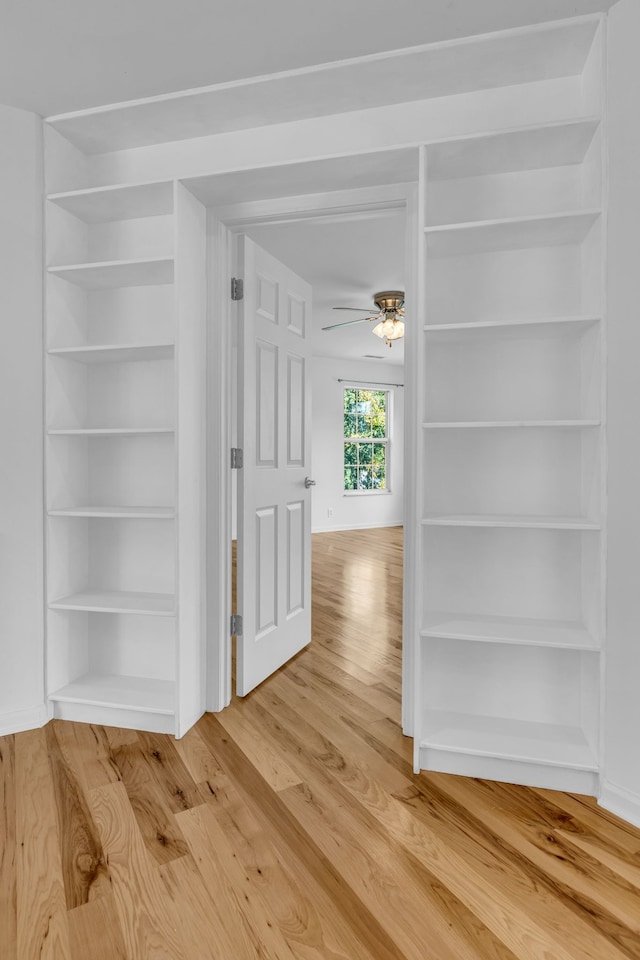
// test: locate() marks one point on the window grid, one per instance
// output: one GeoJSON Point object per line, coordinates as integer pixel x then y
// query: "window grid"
{"type": "Point", "coordinates": [366, 440]}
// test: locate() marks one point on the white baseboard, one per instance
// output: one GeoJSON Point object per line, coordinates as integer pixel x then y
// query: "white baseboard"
{"type": "Point", "coordinates": [18, 720]}
{"type": "Point", "coordinates": [624, 803]}
{"type": "Point", "coordinates": [355, 526]}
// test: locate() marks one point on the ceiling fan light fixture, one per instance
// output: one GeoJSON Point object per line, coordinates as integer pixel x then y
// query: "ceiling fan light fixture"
{"type": "Point", "coordinates": [389, 329]}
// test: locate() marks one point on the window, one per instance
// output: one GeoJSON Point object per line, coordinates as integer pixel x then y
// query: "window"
{"type": "Point", "coordinates": [366, 440]}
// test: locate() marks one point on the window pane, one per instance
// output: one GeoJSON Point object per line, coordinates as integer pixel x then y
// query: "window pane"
{"type": "Point", "coordinates": [378, 414]}
{"type": "Point", "coordinates": [364, 427]}
{"type": "Point", "coordinates": [349, 425]}
{"type": "Point", "coordinates": [365, 481]}
{"type": "Point", "coordinates": [350, 396]}
{"type": "Point", "coordinates": [379, 454]}
{"type": "Point", "coordinates": [379, 479]}
{"type": "Point", "coordinates": [350, 453]}
{"type": "Point", "coordinates": [365, 452]}
{"type": "Point", "coordinates": [350, 478]}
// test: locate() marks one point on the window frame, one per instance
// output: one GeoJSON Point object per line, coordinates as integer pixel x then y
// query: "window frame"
{"type": "Point", "coordinates": [386, 440]}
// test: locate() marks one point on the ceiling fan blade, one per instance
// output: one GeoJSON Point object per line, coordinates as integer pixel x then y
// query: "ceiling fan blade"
{"type": "Point", "coordinates": [349, 322]}
{"type": "Point", "coordinates": [359, 309]}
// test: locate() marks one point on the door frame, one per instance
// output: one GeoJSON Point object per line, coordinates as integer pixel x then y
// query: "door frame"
{"type": "Point", "coordinates": [224, 226]}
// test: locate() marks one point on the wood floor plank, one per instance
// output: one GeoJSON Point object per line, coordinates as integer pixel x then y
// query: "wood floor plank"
{"type": "Point", "coordinates": [292, 839]}
{"type": "Point", "coordinates": [8, 850]}
{"type": "Point", "coordinates": [273, 768]}
{"type": "Point", "coordinates": [535, 849]}
{"type": "Point", "coordinates": [139, 894]}
{"type": "Point", "coordinates": [42, 925]}
{"type": "Point", "coordinates": [158, 828]}
{"type": "Point", "coordinates": [338, 682]}
{"type": "Point", "coordinates": [95, 932]}
{"type": "Point", "coordinates": [84, 870]}
{"type": "Point", "coordinates": [202, 927]}
{"type": "Point", "coordinates": [87, 752]}
{"type": "Point", "coordinates": [178, 787]}
{"type": "Point", "coordinates": [321, 658]}
{"type": "Point", "coordinates": [306, 918]}
{"type": "Point", "coordinates": [367, 780]}
{"type": "Point", "coordinates": [517, 887]}
{"type": "Point", "coordinates": [197, 758]}
{"type": "Point", "coordinates": [601, 823]}
{"type": "Point", "coordinates": [251, 928]}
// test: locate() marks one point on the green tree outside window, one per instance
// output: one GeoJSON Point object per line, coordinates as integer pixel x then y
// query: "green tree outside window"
{"type": "Point", "coordinates": [365, 439]}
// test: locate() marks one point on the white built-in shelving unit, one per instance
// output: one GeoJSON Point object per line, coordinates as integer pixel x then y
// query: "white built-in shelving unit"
{"type": "Point", "coordinates": [506, 516]}
{"type": "Point", "coordinates": [125, 342]}
{"type": "Point", "coordinates": [508, 663]}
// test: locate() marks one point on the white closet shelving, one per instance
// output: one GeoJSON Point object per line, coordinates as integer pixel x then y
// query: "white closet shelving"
{"type": "Point", "coordinates": [126, 287]}
{"type": "Point", "coordinates": [511, 572]}
{"type": "Point", "coordinates": [506, 527]}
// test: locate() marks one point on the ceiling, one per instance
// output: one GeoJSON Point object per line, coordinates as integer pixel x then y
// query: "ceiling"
{"type": "Point", "coordinates": [63, 55]}
{"type": "Point", "coordinates": [345, 261]}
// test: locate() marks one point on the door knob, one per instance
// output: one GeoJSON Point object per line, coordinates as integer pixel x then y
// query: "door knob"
{"type": "Point", "coordinates": [308, 482]}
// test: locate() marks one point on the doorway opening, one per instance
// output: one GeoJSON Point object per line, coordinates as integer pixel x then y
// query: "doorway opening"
{"type": "Point", "coordinates": [347, 251]}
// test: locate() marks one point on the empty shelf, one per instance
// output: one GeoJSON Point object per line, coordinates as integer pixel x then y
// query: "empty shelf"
{"type": "Point", "coordinates": [520, 740]}
{"type": "Point", "coordinates": [117, 273]}
{"type": "Point", "coordinates": [109, 690]}
{"type": "Point", "coordinates": [473, 627]}
{"type": "Point", "coordinates": [125, 512]}
{"type": "Point", "coordinates": [510, 329]}
{"type": "Point", "coordinates": [151, 604]}
{"type": "Point", "coordinates": [107, 431]}
{"type": "Point", "coordinates": [115, 353]}
{"type": "Point", "coordinates": [120, 202]}
{"type": "Point", "coordinates": [500, 520]}
{"type": "Point", "coordinates": [504, 424]}
{"type": "Point", "coordinates": [506, 151]}
{"type": "Point", "coordinates": [514, 233]}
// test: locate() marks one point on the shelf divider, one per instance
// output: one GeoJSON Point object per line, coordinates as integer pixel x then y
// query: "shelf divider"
{"type": "Point", "coordinates": [110, 512]}
{"type": "Point", "coordinates": [519, 740]}
{"type": "Point", "coordinates": [558, 634]}
{"type": "Point", "coordinates": [114, 353]}
{"type": "Point", "coordinates": [107, 274]}
{"type": "Point", "coordinates": [114, 601]}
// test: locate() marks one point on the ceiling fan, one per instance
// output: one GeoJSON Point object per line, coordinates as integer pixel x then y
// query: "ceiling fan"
{"type": "Point", "coordinates": [390, 304]}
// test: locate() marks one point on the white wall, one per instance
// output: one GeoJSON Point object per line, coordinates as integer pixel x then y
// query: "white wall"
{"type": "Point", "coordinates": [621, 788]}
{"type": "Point", "coordinates": [351, 512]}
{"type": "Point", "coordinates": [21, 530]}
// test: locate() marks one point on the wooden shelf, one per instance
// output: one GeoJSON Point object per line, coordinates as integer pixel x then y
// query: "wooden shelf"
{"type": "Point", "coordinates": [508, 739]}
{"type": "Point", "coordinates": [104, 601]}
{"type": "Point", "coordinates": [509, 57]}
{"type": "Point", "coordinates": [115, 353]}
{"type": "Point", "coordinates": [514, 233]}
{"type": "Point", "coordinates": [506, 424]}
{"type": "Point", "coordinates": [130, 693]}
{"type": "Point", "coordinates": [109, 431]}
{"type": "Point", "coordinates": [508, 151]}
{"type": "Point", "coordinates": [120, 202]}
{"type": "Point", "coordinates": [124, 513]}
{"type": "Point", "coordinates": [514, 329]}
{"type": "Point", "coordinates": [524, 522]}
{"type": "Point", "coordinates": [558, 634]}
{"type": "Point", "coordinates": [117, 273]}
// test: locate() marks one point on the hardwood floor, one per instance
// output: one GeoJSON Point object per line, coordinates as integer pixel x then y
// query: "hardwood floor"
{"type": "Point", "coordinates": [291, 825]}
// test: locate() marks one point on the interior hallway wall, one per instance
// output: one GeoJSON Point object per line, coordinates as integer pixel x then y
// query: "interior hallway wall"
{"type": "Point", "coordinates": [21, 496]}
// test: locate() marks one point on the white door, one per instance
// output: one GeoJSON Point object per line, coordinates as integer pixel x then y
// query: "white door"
{"type": "Point", "coordinates": [274, 498]}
